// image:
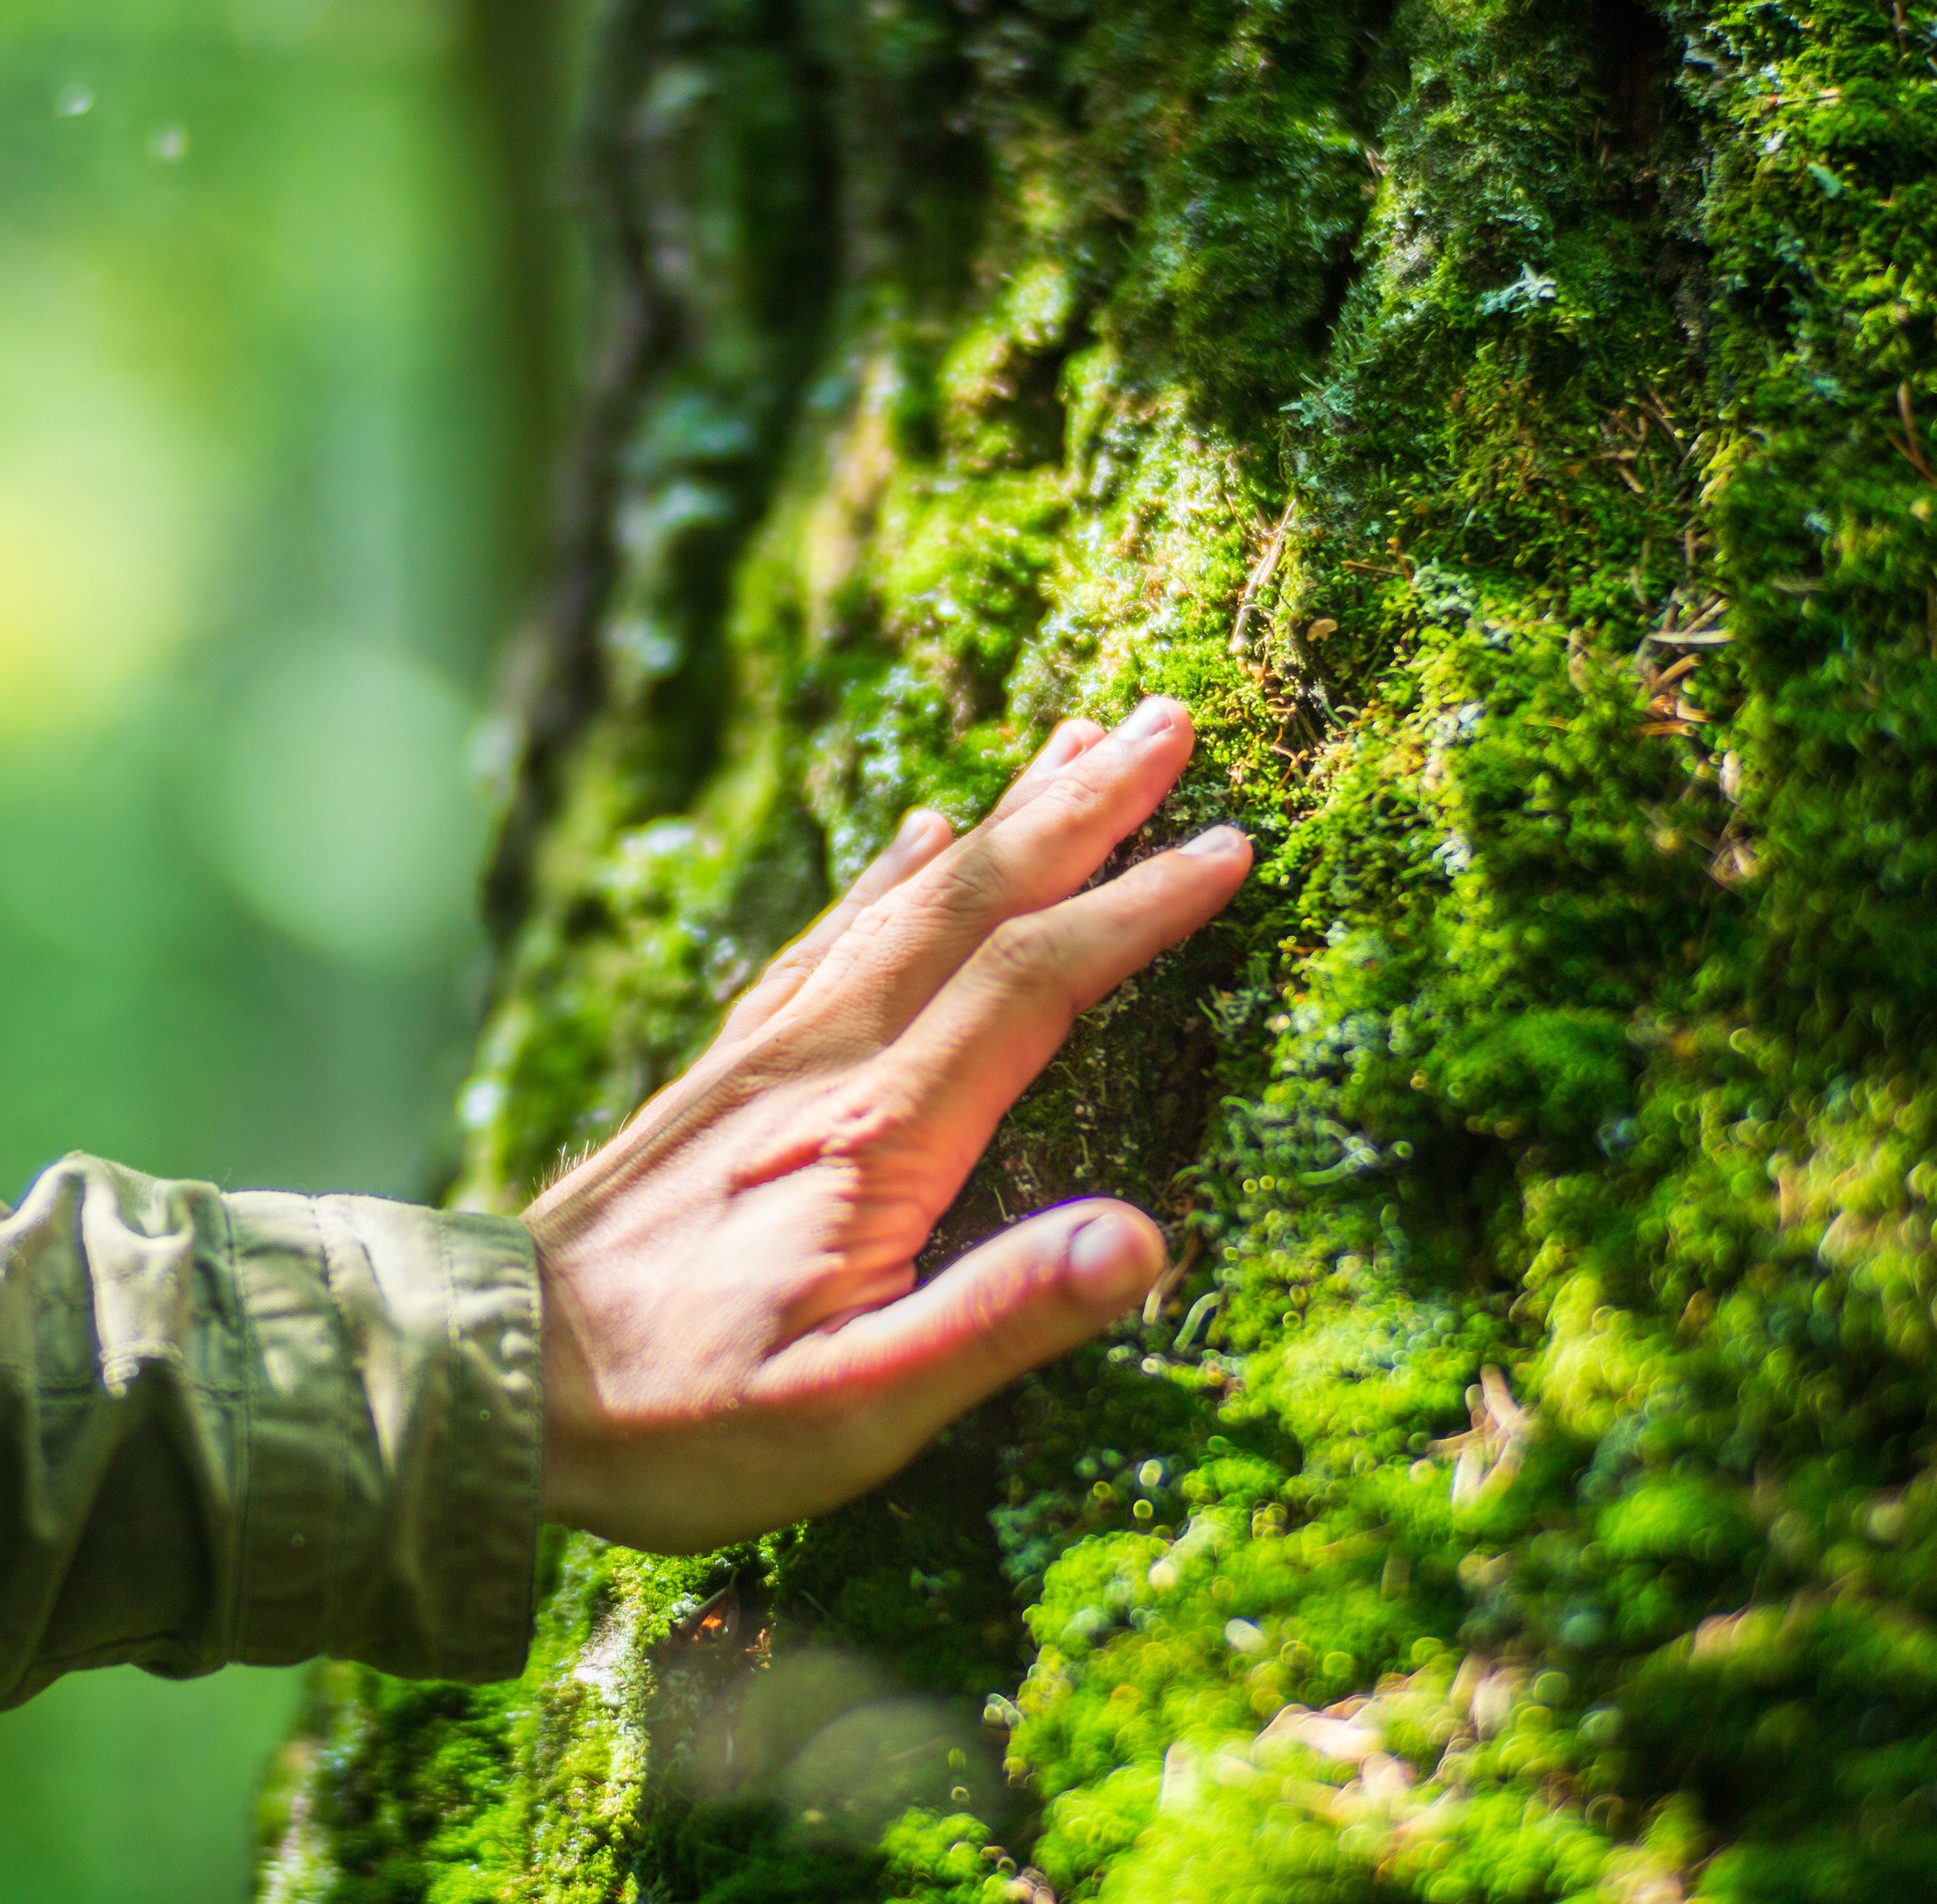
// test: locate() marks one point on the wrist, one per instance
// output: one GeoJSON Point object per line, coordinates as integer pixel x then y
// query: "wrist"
{"type": "Point", "coordinates": [569, 1395]}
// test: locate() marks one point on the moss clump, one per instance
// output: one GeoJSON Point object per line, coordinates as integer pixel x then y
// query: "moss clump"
{"type": "Point", "coordinates": [1501, 420]}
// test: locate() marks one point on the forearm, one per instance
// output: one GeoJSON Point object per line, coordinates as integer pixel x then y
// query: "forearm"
{"type": "Point", "coordinates": [260, 1426]}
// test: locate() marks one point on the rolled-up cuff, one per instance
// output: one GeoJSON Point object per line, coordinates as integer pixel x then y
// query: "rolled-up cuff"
{"type": "Point", "coordinates": [393, 1435]}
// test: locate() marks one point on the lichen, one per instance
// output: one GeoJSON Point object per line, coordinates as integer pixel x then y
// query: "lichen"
{"type": "Point", "coordinates": [1500, 419]}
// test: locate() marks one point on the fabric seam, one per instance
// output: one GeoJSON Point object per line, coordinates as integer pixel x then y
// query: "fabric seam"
{"type": "Point", "coordinates": [243, 1455]}
{"type": "Point", "coordinates": [339, 1488]}
{"type": "Point", "coordinates": [441, 1505]}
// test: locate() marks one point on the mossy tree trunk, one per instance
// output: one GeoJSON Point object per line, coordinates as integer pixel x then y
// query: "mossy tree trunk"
{"type": "Point", "coordinates": [1500, 419]}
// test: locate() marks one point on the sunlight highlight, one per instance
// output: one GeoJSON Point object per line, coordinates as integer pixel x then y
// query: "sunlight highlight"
{"type": "Point", "coordinates": [105, 517]}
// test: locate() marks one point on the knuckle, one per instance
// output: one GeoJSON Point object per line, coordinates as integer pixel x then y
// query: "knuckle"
{"type": "Point", "coordinates": [1074, 792]}
{"type": "Point", "coordinates": [887, 929]}
{"type": "Point", "coordinates": [1000, 1331]}
{"type": "Point", "coordinates": [1074, 797]}
{"type": "Point", "coordinates": [973, 887]}
{"type": "Point", "coordinates": [791, 961]}
{"type": "Point", "coordinates": [861, 1120]}
{"type": "Point", "coordinates": [1029, 951]}
{"type": "Point", "coordinates": [875, 917]}
{"type": "Point", "coordinates": [1008, 1317]}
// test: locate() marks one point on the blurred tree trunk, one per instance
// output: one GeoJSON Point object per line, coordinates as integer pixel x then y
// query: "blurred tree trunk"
{"type": "Point", "coordinates": [514, 63]}
{"type": "Point", "coordinates": [1501, 420]}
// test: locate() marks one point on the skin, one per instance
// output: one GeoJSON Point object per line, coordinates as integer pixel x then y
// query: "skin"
{"type": "Point", "coordinates": [734, 1336]}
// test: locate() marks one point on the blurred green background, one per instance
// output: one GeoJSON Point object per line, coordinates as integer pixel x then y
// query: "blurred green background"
{"type": "Point", "coordinates": [274, 382]}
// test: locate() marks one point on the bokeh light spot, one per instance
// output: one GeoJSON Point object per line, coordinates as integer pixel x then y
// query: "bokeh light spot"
{"type": "Point", "coordinates": [106, 515]}
{"type": "Point", "coordinates": [344, 814]}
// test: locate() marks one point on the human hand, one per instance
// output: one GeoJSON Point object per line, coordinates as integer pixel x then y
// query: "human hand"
{"type": "Point", "coordinates": [732, 1335]}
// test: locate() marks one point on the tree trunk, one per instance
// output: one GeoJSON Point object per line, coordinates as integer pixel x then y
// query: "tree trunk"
{"type": "Point", "coordinates": [1501, 420]}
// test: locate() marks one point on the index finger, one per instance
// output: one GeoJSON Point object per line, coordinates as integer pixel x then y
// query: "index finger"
{"type": "Point", "coordinates": [900, 953]}
{"type": "Point", "coordinates": [924, 834]}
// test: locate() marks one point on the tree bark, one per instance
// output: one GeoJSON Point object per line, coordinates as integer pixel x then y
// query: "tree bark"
{"type": "Point", "coordinates": [1502, 421]}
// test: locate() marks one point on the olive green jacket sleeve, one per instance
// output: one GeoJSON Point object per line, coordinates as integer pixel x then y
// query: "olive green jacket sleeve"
{"type": "Point", "coordinates": [259, 1426]}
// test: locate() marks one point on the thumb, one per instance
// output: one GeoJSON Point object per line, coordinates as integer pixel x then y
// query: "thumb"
{"type": "Point", "coordinates": [1025, 1296]}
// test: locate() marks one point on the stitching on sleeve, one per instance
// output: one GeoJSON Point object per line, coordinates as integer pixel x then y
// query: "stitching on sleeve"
{"type": "Point", "coordinates": [453, 1568]}
{"type": "Point", "coordinates": [243, 1462]}
{"type": "Point", "coordinates": [333, 1531]}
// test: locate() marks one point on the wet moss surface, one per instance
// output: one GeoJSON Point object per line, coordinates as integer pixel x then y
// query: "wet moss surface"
{"type": "Point", "coordinates": [1502, 423]}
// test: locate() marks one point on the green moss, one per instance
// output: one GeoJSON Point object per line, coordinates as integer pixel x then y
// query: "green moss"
{"type": "Point", "coordinates": [1546, 1137]}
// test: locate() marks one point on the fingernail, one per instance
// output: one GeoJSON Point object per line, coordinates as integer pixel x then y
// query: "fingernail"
{"type": "Point", "coordinates": [1110, 1262]}
{"type": "Point", "coordinates": [914, 823]}
{"type": "Point", "coordinates": [1153, 718]}
{"type": "Point", "coordinates": [1214, 840]}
